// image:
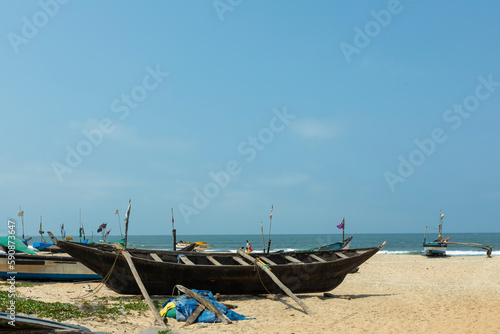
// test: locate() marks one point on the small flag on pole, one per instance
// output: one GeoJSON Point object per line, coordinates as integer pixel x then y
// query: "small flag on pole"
{"type": "Point", "coordinates": [271, 212]}
{"type": "Point", "coordinates": [20, 214]}
{"type": "Point", "coordinates": [116, 212]}
{"type": "Point", "coordinates": [107, 233]}
{"type": "Point", "coordinates": [102, 227]}
{"type": "Point", "coordinates": [341, 225]}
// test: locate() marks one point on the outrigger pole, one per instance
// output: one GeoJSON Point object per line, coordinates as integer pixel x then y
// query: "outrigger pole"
{"type": "Point", "coordinates": [488, 249]}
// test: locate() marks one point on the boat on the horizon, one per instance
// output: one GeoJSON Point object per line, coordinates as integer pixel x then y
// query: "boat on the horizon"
{"type": "Point", "coordinates": [225, 273]}
{"type": "Point", "coordinates": [198, 246]}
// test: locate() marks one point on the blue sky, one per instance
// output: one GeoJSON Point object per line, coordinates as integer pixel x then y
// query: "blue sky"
{"type": "Point", "coordinates": [383, 112]}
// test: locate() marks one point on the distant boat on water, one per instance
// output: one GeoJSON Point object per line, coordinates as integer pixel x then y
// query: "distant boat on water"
{"type": "Point", "coordinates": [198, 245]}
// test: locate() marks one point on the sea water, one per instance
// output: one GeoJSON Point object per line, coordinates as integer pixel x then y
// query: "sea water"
{"type": "Point", "coordinates": [397, 243]}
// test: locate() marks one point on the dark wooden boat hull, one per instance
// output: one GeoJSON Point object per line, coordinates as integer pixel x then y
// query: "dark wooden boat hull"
{"type": "Point", "coordinates": [229, 277]}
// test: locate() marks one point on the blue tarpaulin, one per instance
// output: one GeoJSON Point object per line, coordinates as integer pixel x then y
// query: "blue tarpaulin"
{"type": "Point", "coordinates": [184, 306]}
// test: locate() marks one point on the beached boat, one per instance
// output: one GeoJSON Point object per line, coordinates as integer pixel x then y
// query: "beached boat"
{"type": "Point", "coordinates": [226, 273]}
{"type": "Point", "coordinates": [16, 323]}
{"type": "Point", "coordinates": [438, 246]}
{"type": "Point", "coordinates": [198, 245]}
{"type": "Point", "coordinates": [338, 245]}
{"type": "Point", "coordinates": [46, 267]}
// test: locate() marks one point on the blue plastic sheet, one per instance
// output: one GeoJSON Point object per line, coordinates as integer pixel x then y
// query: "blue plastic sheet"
{"type": "Point", "coordinates": [184, 306]}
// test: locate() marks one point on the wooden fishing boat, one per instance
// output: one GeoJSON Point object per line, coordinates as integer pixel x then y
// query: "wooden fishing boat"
{"type": "Point", "coordinates": [438, 246]}
{"type": "Point", "coordinates": [225, 273]}
{"type": "Point", "coordinates": [46, 267]}
{"type": "Point", "coordinates": [337, 245]}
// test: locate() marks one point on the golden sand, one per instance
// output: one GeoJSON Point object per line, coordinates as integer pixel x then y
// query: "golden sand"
{"type": "Point", "coordinates": [389, 294]}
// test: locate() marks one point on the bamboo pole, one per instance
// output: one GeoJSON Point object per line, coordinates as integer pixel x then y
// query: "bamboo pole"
{"type": "Point", "coordinates": [270, 223]}
{"type": "Point", "coordinates": [153, 309]}
{"type": "Point", "coordinates": [174, 232]}
{"type": "Point", "coordinates": [119, 223]}
{"type": "Point", "coordinates": [22, 218]}
{"type": "Point", "coordinates": [127, 215]}
{"type": "Point", "coordinates": [276, 280]}
{"type": "Point", "coordinates": [343, 229]}
{"type": "Point", "coordinates": [262, 232]}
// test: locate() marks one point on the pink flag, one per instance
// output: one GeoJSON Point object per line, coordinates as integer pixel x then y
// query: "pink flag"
{"type": "Point", "coordinates": [341, 225]}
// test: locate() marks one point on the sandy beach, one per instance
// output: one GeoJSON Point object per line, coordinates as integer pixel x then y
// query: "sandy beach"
{"type": "Point", "coordinates": [389, 294]}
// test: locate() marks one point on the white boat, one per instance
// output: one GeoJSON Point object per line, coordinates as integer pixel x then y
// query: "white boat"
{"type": "Point", "coordinates": [45, 267]}
{"type": "Point", "coordinates": [438, 246]}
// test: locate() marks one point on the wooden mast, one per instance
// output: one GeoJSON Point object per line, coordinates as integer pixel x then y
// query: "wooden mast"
{"type": "Point", "coordinates": [127, 215]}
{"type": "Point", "coordinates": [270, 223]}
{"type": "Point", "coordinates": [174, 233]}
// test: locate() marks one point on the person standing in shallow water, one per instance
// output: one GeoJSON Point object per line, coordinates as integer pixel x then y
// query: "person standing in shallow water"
{"type": "Point", "coordinates": [248, 247]}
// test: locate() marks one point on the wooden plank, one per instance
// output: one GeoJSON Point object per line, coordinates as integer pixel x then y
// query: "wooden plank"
{"type": "Point", "coordinates": [292, 259]}
{"type": "Point", "coordinates": [186, 260]}
{"type": "Point", "coordinates": [156, 257]}
{"type": "Point", "coordinates": [277, 281]}
{"type": "Point", "coordinates": [267, 260]}
{"type": "Point", "coordinates": [317, 258]}
{"type": "Point", "coordinates": [240, 261]}
{"type": "Point", "coordinates": [205, 303]}
{"type": "Point", "coordinates": [342, 255]}
{"type": "Point", "coordinates": [214, 261]}
{"type": "Point", "coordinates": [196, 313]}
{"type": "Point", "coordinates": [153, 309]}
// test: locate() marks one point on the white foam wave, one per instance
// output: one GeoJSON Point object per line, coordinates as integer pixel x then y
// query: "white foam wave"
{"type": "Point", "coordinates": [395, 252]}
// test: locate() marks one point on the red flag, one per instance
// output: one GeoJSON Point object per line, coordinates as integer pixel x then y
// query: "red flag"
{"type": "Point", "coordinates": [107, 233]}
{"type": "Point", "coordinates": [341, 225]}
